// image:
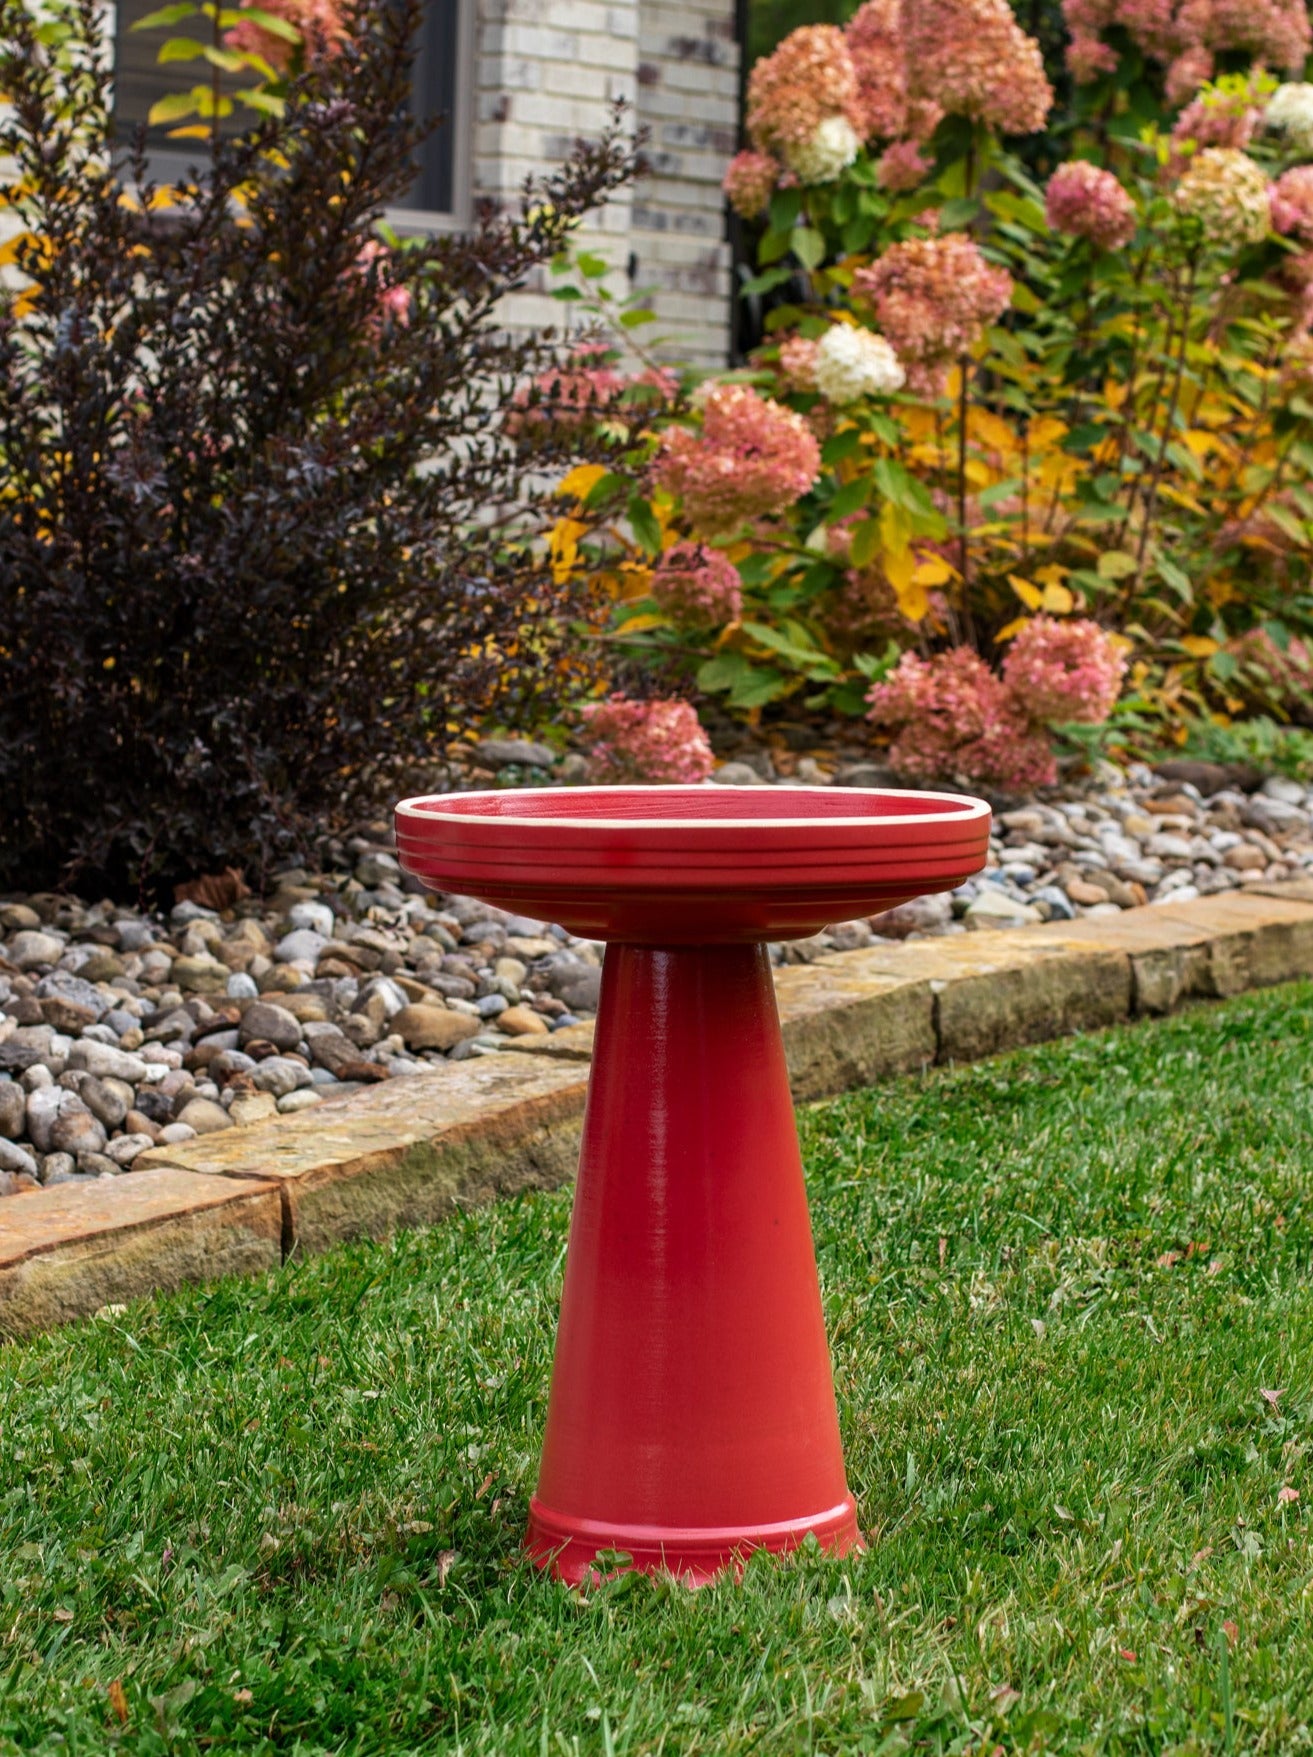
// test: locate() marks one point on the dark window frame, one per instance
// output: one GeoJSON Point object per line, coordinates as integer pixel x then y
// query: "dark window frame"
{"type": "Point", "coordinates": [443, 83]}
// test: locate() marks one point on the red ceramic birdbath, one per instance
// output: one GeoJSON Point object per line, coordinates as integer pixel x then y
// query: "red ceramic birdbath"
{"type": "Point", "coordinates": [692, 1415]}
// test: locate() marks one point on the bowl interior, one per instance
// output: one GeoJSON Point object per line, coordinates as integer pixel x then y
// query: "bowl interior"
{"type": "Point", "coordinates": [616, 806]}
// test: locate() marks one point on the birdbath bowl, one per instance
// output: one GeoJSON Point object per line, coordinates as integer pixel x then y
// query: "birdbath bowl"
{"type": "Point", "coordinates": [692, 1415]}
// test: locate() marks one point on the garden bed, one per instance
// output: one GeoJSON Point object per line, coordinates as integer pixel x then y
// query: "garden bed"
{"type": "Point", "coordinates": [122, 1031]}
{"type": "Point", "coordinates": [407, 1152]}
{"type": "Point", "coordinates": [1068, 1298]}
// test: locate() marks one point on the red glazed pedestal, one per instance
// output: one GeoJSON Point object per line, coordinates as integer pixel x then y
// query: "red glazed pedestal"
{"type": "Point", "coordinates": [692, 1415]}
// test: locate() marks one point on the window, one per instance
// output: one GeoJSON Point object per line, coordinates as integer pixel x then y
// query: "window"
{"type": "Point", "coordinates": [438, 190]}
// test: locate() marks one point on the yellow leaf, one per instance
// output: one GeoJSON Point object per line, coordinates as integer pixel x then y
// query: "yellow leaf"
{"type": "Point", "coordinates": [1114, 394]}
{"type": "Point", "coordinates": [1030, 595]}
{"type": "Point", "coordinates": [1199, 442]}
{"type": "Point", "coordinates": [895, 529]}
{"type": "Point", "coordinates": [1009, 629]}
{"type": "Point", "coordinates": [10, 248]}
{"type": "Point", "coordinates": [192, 131]}
{"type": "Point", "coordinates": [900, 570]}
{"type": "Point", "coordinates": [933, 570]}
{"type": "Point", "coordinates": [990, 430]}
{"type": "Point", "coordinates": [1058, 600]}
{"type": "Point", "coordinates": [1047, 431]}
{"type": "Point", "coordinates": [1051, 574]}
{"type": "Point", "coordinates": [581, 480]}
{"type": "Point", "coordinates": [1116, 564]}
{"type": "Point", "coordinates": [563, 547]}
{"type": "Point", "coordinates": [1199, 646]}
{"type": "Point", "coordinates": [636, 624]}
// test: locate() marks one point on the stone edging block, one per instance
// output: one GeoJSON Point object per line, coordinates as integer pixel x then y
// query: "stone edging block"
{"type": "Point", "coordinates": [408, 1152]}
{"type": "Point", "coordinates": [67, 1251]}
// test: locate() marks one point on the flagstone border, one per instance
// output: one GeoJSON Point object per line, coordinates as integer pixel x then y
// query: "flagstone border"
{"type": "Point", "coordinates": [409, 1151]}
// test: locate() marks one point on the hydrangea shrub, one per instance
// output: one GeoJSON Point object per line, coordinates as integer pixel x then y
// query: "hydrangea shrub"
{"type": "Point", "coordinates": [1027, 443]}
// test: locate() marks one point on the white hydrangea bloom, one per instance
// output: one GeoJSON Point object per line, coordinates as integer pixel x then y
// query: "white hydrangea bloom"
{"type": "Point", "coordinates": [831, 149]}
{"type": "Point", "coordinates": [1227, 193]}
{"type": "Point", "coordinates": [1290, 110]}
{"type": "Point", "coordinates": [854, 363]}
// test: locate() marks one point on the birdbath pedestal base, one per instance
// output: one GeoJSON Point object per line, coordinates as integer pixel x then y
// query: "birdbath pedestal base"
{"type": "Point", "coordinates": [692, 1416]}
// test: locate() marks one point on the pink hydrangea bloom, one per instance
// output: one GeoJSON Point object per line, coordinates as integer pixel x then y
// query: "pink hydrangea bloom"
{"type": "Point", "coordinates": [1291, 199]}
{"type": "Point", "coordinates": [320, 22]}
{"type": "Point", "coordinates": [953, 719]}
{"type": "Point", "coordinates": [933, 298]}
{"type": "Point", "coordinates": [1187, 36]}
{"type": "Point", "coordinates": [1221, 118]}
{"type": "Point", "coordinates": [879, 53]}
{"type": "Point", "coordinates": [798, 362]}
{"type": "Point", "coordinates": [750, 182]}
{"type": "Point", "coordinates": [653, 741]}
{"type": "Point", "coordinates": [809, 79]}
{"type": "Point", "coordinates": [393, 304]}
{"type": "Point", "coordinates": [1283, 678]}
{"type": "Point", "coordinates": [575, 392]}
{"type": "Point", "coordinates": [1275, 33]}
{"type": "Point", "coordinates": [578, 392]}
{"type": "Point", "coordinates": [975, 60]}
{"type": "Point", "coordinates": [697, 587]}
{"type": "Point", "coordinates": [752, 457]}
{"type": "Point", "coordinates": [1089, 202]}
{"type": "Point", "coordinates": [902, 166]}
{"type": "Point", "coordinates": [1064, 671]}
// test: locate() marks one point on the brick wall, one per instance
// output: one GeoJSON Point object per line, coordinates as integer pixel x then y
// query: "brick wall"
{"type": "Point", "coordinates": [545, 72]}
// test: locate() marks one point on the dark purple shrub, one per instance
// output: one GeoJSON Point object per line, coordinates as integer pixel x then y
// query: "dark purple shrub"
{"type": "Point", "coordinates": [265, 534]}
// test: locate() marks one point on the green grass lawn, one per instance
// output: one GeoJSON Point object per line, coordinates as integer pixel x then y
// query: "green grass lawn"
{"type": "Point", "coordinates": [1069, 1302]}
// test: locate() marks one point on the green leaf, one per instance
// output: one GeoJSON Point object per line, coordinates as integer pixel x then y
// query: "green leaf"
{"type": "Point", "coordinates": [866, 543]}
{"type": "Point", "coordinates": [1175, 577]}
{"type": "Point", "coordinates": [172, 108]}
{"type": "Point", "coordinates": [851, 498]}
{"type": "Point", "coordinates": [900, 486]}
{"type": "Point", "coordinates": [767, 281]}
{"type": "Point", "coordinates": [1285, 520]}
{"type": "Point", "coordinates": [605, 488]}
{"type": "Point", "coordinates": [180, 49]}
{"type": "Point", "coordinates": [166, 15]}
{"type": "Point", "coordinates": [773, 246]}
{"type": "Point", "coordinates": [785, 206]}
{"type": "Point", "coordinates": [591, 266]}
{"type": "Point", "coordinates": [204, 100]}
{"type": "Point", "coordinates": [267, 102]}
{"type": "Point", "coordinates": [998, 491]}
{"type": "Point", "coordinates": [749, 685]}
{"type": "Point", "coordinates": [840, 446]}
{"type": "Point", "coordinates": [849, 698]}
{"type": "Point", "coordinates": [636, 318]}
{"type": "Point", "coordinates": [647, 532]}
{"type": "Point", "coordinates": [267, 21]}
{"type": "Point", "coordinates": [1116, 564]}
{"type": "Point", "coordinates": [229, 60]}
{"type": "Point", "coordinates": [955, 214]}
{"type": "Point", "coordinates": [813, 663]}
{"type": "Point", "coordinates": [808, 245]}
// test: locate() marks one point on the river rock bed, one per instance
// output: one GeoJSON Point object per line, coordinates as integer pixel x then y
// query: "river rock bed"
{"type": "Point", "coordinates": [122, 1030]}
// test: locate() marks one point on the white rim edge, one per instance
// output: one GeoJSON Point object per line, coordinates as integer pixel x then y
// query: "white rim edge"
{"type": "Point", "coordinates": [970, 809]}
